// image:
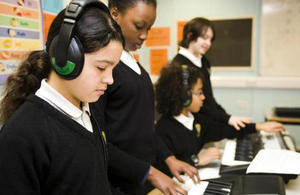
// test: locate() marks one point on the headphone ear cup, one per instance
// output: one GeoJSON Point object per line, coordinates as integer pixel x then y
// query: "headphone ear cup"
{"type": "Point", "coordinates": [187, 95]}
{"type": "Point", "coordinates": [187, 99]}
{"type": "Point", "coordinates": [74, 62]}
{"type": "Point", "coordinates": [75, 55]}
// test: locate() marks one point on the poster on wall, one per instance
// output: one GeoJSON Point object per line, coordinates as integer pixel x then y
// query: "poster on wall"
{"type": "Point", "coordinates": [158, 36]}
{"type": "Point", "coordinates": [20, 32]}
{"type": "Point", "coordinates": [50, 10]}
{"type": "Point", "coordinates": [180, 26]}
{"type": "Point", "coordinates": [158, 59]}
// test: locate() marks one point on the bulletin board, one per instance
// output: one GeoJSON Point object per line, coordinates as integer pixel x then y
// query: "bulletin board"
{"type": "Point", "coordinates": [233, 43]}
{"type": "Point", "coordinates": [280, 38]}
{"type": "Point", "coordinates": [20, 32]}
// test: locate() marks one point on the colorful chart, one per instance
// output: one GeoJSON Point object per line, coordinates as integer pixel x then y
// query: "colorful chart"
{"type": "Point", "coordinates": [21, 31]}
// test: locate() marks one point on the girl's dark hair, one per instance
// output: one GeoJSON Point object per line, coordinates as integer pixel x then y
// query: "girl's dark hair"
{"type": "Point", "coordinates": [195, 28]}
{"type": "Point", "coordinates": [169, 89]}
{"type": "Point", "coordinates": [123, 5]}
{"type": "Point", "coordinates": [95, 29]}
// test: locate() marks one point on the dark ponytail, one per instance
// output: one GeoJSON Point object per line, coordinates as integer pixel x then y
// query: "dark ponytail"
{"type": "Point", "coordinates": [95, 29]}
{"type": "Point", "coordinates": [23, 82]}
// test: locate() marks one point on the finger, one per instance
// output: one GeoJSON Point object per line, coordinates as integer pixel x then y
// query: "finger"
{"type": "Point", "coordinates": [236, 127]}
{"type": "Point", "coordinates": [172, 190]}
{"type": "Point", "coordinates": [247, 120]}
{"type": "Point", "coordinates": [179, 190]}
{"type": "Point", "coordinates": [217, 156]}
{"type": "Point", "coordinates": [167, 192]}
{"type": "Point", "coordinates": [278, 128]}
{"type": "Point", "coordinates": [241, 124]}
{"type": "Point", "coordinates": [190, 173]}
{"type": "Point", "coordinates": [179, 178]}
{"type": "Point", "coordinates": [281, 129]}
{"type": "Point", "coordinates": [197, 177]}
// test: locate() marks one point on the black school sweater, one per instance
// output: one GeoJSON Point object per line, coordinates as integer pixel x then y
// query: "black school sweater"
{"type": "Point", "coordinates": [42, 151]}
{"type": "Point", "coordinates": [210, 106]}
{"type": "Point", "coordinates": [184, 142]}
{"type": "Point", "coordinates": [128, 110]}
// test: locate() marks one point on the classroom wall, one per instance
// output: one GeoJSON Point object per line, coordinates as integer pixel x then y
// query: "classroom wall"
{"type": "Point", "coordinates": [67, 1]}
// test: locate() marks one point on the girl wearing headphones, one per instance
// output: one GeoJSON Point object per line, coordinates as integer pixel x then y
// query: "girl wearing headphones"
{"type": "Point", "coordinates": [128, 108]}
{"type": "Point", "coordinates": [50, 142]}
{"type": "Point", "coordinates": [185, 132]}
{"type": "Point", "coordinates": [198, 36]}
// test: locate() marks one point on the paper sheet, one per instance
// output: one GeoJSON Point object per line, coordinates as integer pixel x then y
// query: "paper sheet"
{"type": "Point", "coordinates": [275, 161]}
{"type": "Point", "coordinates": [210, 171]}
{"type": "Point", "coordinates": [193, 189]}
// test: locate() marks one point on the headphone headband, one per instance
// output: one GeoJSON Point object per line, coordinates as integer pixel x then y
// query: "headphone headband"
{"type": "Point", "coordinates": [75, 7]}
{"type": "Point", "coordinates": [185, 83]}
{"type": "Point", "coordinates": [68, 57]}
{"type": "Point", "coordinates": [72, 13]}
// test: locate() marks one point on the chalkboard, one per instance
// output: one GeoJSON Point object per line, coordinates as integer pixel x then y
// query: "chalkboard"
{"type": "Point", "coordinates": [233, 43]}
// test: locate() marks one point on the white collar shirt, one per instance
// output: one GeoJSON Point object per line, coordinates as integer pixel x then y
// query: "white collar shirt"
{"type": "Point", "coordinates": [58, 101]}
{"type": "Point", "coordinates": [130, 61]}
{"type": "Point", "coordinates": [186, 121]}
{"type": "Point", "coordinates": [186, 53]}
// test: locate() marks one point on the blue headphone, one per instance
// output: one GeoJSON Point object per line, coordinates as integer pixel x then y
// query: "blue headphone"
{"type": "Point", "coordinates": [67, 54]}
{"type": "Point", "coordinates": [187, 96]}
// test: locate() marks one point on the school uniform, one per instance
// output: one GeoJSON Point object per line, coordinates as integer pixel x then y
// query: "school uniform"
{"type": "Point", "coordinates": [186, 136]}
{"type": "Point", "coordinates": [51, 147]}
{"type": "Point", "coordinates": [210, 106]}
{"type": "Point", "coordinates": [128, 110]}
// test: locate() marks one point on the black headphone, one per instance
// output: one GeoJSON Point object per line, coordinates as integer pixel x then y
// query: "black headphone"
{"type": "Point", "coordinates": [67, 53]}
{"type": "Point", "coordinates": [187, 96]}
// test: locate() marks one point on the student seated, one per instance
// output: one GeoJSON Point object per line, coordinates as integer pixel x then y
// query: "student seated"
{"type": "Point", "coordinates": [178, 96]}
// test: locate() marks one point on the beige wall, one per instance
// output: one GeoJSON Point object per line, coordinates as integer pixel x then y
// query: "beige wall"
{"type": "Point", "coordinates": [68, 1]}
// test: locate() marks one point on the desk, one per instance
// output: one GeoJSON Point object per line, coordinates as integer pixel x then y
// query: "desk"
{"type": "Point", "coordinates": [293, 187]}
{"type": "Point", "coordinates": [271, 116]}
{"type": "Point", "coordinates": [155, 192]}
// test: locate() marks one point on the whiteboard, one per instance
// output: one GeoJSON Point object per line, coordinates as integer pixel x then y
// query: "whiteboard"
{"type": "Point", "coordinates": [280, 38]}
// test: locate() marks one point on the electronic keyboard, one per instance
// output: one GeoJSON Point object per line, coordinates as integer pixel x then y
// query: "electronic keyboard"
{"type": "Point", "coordinates": [236, 185]}
{"type": "Point", "coordinates": [242, 150]}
